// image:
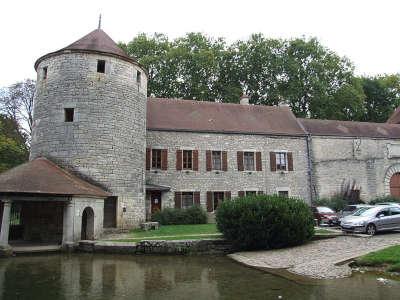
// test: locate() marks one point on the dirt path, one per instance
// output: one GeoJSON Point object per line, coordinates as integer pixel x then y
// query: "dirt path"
{"type": "Point", "coordinates": [321, 259]}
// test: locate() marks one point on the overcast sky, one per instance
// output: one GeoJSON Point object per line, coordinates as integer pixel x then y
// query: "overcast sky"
{"type": "Point", "coordinates": [365, 31]}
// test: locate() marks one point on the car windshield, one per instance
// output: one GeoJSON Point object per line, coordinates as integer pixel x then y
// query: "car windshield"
{"type": "Point", "coordinates": [360, 210]}
{"type": "Point", "coordinates": [349, 208]}
{"type": "Point", "coordinates": [326, 210]}
{"type": "Point", "coordinates": [367, 212]}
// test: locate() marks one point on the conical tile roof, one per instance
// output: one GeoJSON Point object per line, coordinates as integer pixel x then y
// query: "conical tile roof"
{"type": "Point", "coordinates": [96, 41]}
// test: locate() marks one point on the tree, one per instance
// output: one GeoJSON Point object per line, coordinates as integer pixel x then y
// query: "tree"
{"type": "Point", "coordinates": [13, 147]}
{"type": "Point", "coordinates": [382, 96]}
{"type": "Point", "coordinates": [16, 102]}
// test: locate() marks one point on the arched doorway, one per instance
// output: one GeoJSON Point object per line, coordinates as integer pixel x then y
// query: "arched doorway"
{"type": "Point", "coordinates": [395, 185]}
{"type": "Point", "coordinates": [87, 230]}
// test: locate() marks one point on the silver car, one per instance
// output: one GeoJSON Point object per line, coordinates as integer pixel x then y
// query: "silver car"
{"type": "Point", "coordinates": [351, 209]}
{"type": "Point", "coordinates": [370, 221]}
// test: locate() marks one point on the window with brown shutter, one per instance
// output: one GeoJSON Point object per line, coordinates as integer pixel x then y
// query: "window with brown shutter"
{"type": "Point", "coordinates": [178, 160]}
{"type": "Point", "coordinates": [156, 159]}
{"type": "Point", "coordinates": [258, 161]}
{"type": "Point", "coordinates": [290, 161]}
{"type": "Point", "coordinates": [210, 202]}
{"type": "Point", "coordinates": [240, 160]}
{"type": "Point", "coordinates": [148, 153]}
{"type": "Point", "coordinates": [208, 161]}
{"type": "Point", "coordinates": [178, 200]}
{"type": "Point", "coordinates": [281, 161]}
{"type": "Point", "coordinates": [196, 197]}
{"type": "Point", "coordinates": [164, 159]}
{"type": "Point", "coordinates": [241, 193]}
{"type": "Point", "coordinates": [224, 161]}
{"type": "Point", "coordinates": [187, 161]}
{"type": "Point", "coordinates": [227, 195]}
{"type": "Point", "coordinates": [195, 160]}
{"type": "Point", "coordinates": [272, 161]}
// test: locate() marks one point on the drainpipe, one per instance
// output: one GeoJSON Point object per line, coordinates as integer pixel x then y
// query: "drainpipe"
{"type": "Point", "coordinates": [310, 166]}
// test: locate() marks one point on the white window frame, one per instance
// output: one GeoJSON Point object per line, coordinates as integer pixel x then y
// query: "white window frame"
{"type": "Point", "coordinates": [254, 160]}
{"type": "Point", "coordinates": [283, 189]}
{"type": "Point", "coordinates": [286, 160]}
{"type": "Point", "coordinates": [187, 192]}
{"type": "Point", "coordinates": [212, 160]}
{"type": "Point", "coordinates": [191, 169]}
{"type": "Point", "coordinates": [151, 158]}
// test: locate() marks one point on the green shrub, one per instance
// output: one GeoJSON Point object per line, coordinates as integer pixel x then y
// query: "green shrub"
{"type": "Point", "coordinates": [173, 216]}
{"type": "Point", "coordinates": [265, 222]}
{"type": "Point", "coordinates": [385, 199]}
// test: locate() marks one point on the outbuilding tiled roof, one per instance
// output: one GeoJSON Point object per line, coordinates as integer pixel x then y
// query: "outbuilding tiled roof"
{"type": "Point", "coordinates": [203, 116]}
{"type": "Point", "coordinates": [350, 128]}
{"type": "Point", "coordinates": [41, 176]}
{"type": "Point", "coordinates": [96, 41]}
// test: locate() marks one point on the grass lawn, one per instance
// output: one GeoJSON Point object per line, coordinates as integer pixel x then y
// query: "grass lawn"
{"type": "Point", "coordinates": [174, 232]}
{"type": "Point", "coordinates": [324, 231]}
{"type": "Point", "coordinates": [388, 257]}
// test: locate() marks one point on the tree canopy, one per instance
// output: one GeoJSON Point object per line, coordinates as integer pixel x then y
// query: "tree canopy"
{"type": "Point", "coordinates": [315, 81]}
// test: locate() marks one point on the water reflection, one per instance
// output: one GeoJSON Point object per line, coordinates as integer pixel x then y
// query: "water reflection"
{"type": "Point", "coordinates": [85, 276]}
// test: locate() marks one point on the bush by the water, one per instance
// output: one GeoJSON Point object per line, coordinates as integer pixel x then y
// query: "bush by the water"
{"type": "Point", "coordinates": [385, 199]}
{"type": "Point", "coordinates": [173, 216]}
{"type": "Point", "coordinates": [265, 222]}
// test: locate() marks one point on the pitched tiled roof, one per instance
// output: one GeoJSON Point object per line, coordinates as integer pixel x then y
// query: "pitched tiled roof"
{"type": "Point", "coordinates": [96, 41]}
{"type": "Point", "coordinates": [203, 116]}
{"type": "Point", "coordinates": [350, 128]}
{"type": "Point", "coordinates": [395, 117]}
{"type": "Point", "coordinates": [41, 176]}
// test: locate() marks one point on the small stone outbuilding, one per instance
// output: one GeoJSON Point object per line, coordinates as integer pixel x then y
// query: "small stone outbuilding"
{"type": "Point", "coordinates": [43, 204]}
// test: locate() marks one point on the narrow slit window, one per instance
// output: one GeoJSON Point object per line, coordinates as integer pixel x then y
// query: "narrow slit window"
{"type": "Point", "coordinates": [68, 114]}
{"type": "Point", "coordinates": [44, 72]}
{"type": "Point", "coordinates": [138, 77]}
{"type": "Point", "coordinates": [101, 66]}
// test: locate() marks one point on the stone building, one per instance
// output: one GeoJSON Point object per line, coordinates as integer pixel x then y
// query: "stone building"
{"type": "Point", "coordinates": [103, 155]}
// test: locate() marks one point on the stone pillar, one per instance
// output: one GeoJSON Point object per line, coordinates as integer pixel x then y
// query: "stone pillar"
{"type": "Point", "coordinates": [68, 226]}
{"type": "Point", "coordinates": [5, 249]}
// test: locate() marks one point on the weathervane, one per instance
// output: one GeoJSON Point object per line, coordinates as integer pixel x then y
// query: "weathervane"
{"type": "Point", "coordinates": [100, 21]}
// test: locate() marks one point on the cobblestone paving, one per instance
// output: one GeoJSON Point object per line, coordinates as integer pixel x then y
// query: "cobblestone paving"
{"type": "Point", "coordinates": [318, 259]}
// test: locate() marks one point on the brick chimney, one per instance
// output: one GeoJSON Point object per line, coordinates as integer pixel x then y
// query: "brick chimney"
{"type": "Point", "coordinates": [244, 100]}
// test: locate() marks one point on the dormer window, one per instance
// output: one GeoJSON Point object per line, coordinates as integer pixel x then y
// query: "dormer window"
{"type": "Point", "coordinates": [44, 74]}
{"type": "Point", "coordinates": [138, 77]}
{"type": "Point", "coordinates": [101, 66]}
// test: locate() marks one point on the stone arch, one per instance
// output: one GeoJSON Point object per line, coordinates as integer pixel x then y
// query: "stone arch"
{"type": "Point", "coordinates": [389, 173]}
{"type": "Point", "coordinates": [87, 228]}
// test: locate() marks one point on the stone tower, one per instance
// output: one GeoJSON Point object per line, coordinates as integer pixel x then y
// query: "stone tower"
{"type": "Point", "coordinates": [90, 118]}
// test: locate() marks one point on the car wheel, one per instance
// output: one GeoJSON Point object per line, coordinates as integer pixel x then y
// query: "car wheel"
{"type": "Point", "coordinates": [371, 229]}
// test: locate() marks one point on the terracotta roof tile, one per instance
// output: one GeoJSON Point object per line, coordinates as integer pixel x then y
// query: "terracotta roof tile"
{"type": "Point", "coordinates": [350, 128]}
{"type": "Point", "coordinates": [41, 176]}
{"type": "Point", "coordinates": [204, 116]}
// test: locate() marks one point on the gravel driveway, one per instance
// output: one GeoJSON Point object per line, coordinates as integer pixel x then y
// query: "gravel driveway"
{"type": "Point", "coordinates": [323, 259]}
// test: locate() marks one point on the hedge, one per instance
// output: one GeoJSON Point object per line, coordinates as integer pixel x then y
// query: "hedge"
{"type": "Point", "coordinates": [265, 222]}
{"type": "Point", "coordinates": [174, 216]}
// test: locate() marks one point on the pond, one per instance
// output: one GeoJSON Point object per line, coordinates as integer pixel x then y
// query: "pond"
{"type": "Point", "coordinates": [87, 276]}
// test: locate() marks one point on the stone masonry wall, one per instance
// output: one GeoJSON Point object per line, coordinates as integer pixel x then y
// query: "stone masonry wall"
{"type": "Point", "coordinates": [232, 180]}
{"type": "Point", "coordinates": [106, 142]}
{"type": "Point", "coordinates": [339, 159]}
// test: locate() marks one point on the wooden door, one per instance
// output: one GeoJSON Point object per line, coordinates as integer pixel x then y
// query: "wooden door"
{"type": "Point", "coordinates": [155, 198]}
{"type": "Point", "coordinates": [395, 185]}
{"type": "Point", "coordinates": [110, 212]}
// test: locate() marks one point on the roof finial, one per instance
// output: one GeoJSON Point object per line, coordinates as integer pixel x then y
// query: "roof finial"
{"type": "Point", "coordinates": [99, 21]}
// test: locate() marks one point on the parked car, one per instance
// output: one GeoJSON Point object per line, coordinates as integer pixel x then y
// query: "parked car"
{"type": "Point", "coordinates": [325, 215]}
{"type": "Point", "coordinates": [373, 220]}
{"type": "Point", "coordinates": [351, 209]}
{"type": "Point", "coordinates": [389, 203]}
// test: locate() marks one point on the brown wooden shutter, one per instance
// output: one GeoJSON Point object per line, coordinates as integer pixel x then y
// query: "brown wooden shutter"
{"type": "Point", "coordinates": [272, 161]}
{"type": "Point", "coordinates": [178, 160]}
{"type": "Point", "coordinates": [196, 198]}
{"type": "Point", "coordinates": [195, 160]}
{"type": "Point", "coordinates": [290, 161]}
{"type": "Point", "coordinates": [241, 193]}
{"type": "Point", "coordinates": [178, 200]}
{"type": "Point", "coordinates": [260, 192]}
{"type": "Point", "coordinates": [164, 159]}
{"type": "Point", "coordinates": [258, 161]}
{"type": "Point", "coordinates": [227, 195]}
{"type": "Point", "coordinates": [148, 158]}
{"type": "Point", "coordinates": [224, 161]}
{"type": "Point", "coordinates": [240, 160]}
{"type": "Point", "coordinates": [210, 207]}
{"type": "Point", "coordinates": [208, 161]}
